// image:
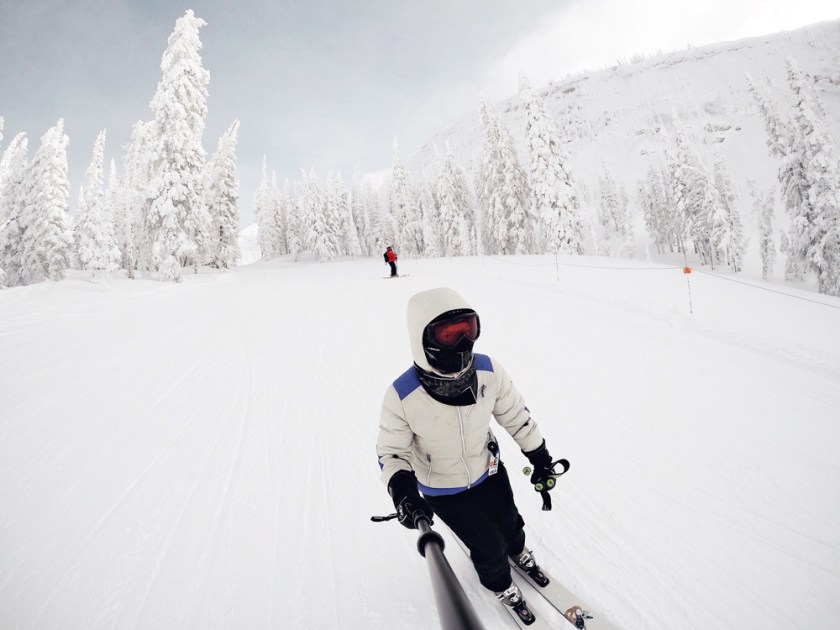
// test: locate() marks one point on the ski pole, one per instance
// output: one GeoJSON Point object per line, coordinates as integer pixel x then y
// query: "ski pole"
{"type": "Point", "coordinates": [454, 608]}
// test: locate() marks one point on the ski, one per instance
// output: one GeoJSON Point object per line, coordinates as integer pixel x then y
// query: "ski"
{"type": "Point", "coordinates": [564, 602]}
{"type": "Point", "coordinates": [399, 275]}
{"type": "Point", "coordinates": [535, 623]}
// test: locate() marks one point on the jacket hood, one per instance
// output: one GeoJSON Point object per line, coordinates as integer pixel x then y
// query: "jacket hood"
{"type": "Point", "coordinates": [422, 309]}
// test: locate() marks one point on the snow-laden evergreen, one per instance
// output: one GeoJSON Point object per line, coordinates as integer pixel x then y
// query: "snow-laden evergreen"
{"type": "Point", "coordinates": [335, 214]}
{"type": "Point", "coordinates": [358, 211]}
{"type": "Point", "coordinates": [502, 190]}
{"type": "Point", "coordinates": [455, 209]}
{"type": "Point", "coordinates": [281, 215]}
{"type": "Point", "coordinates": [348, 232]}
{"type": "Point", "coordinates": [139, 163]}
{"type": "Point", "coordinates": [223, 202]}
{"type": "Point", "coordinates": [813, 195]}
{"type": "Point", "coordinates": [553, 198]}
{"type": "Point", "coordinates": [177, 218]}
{"type": "Point", "coordinates": [295, 225]}
{"type": "Point", "coordinates": [96, 243]}
{"type": "Point", "coordinates": [12, 203]}
{"type": "Point", "coordinates": [47, 246]}
{"type": "Point", "coordinates": [321, 231]}
{"type": "Point", "coordinates": [727, 234]}
{"type": "Point", "coordinates": [378, 234]}
{"type": "Point", "coordinates": [430, 216]}
{"type": "Point", "coordinates": [610, 206]}
{"type": "Point", "coordinates": [402, 204]}
{"type": "Point", "coordinates": [765, 208]}
{"type": "Point", "coordinates": [694, 196]}
{"type": "Point", "coordinates": [265, 214]}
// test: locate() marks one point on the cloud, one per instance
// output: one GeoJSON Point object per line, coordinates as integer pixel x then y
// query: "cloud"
{"type": "Point", "coordinates": [588, 35]}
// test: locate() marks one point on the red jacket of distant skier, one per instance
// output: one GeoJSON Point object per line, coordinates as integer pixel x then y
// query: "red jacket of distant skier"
{"type": "Point", "coordinates": [390, 256]}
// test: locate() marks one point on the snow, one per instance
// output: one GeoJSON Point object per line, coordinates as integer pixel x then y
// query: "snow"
{"type": "Point", "coordinates": [625, 116]}
{"type": "Point", "coordinates": [202, 455]}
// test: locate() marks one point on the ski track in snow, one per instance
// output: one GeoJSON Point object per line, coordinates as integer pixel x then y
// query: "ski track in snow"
{"type": "Point", "coordinates": [202, 456]}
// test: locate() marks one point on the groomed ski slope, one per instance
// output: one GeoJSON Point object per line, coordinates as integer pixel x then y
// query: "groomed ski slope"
{"type": "Point", "coordinates": [202, 456]}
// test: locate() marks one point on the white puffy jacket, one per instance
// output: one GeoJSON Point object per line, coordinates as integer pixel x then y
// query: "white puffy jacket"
{"type": "Point", "coordinates": [447, 446]}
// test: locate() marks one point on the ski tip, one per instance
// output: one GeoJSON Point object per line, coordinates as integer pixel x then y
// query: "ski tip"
{"type": "Point", "coordinates": [578, 616]}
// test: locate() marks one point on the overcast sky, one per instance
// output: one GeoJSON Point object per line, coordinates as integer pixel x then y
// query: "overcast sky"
{"type": "Point", "coordinates": [329, 83]}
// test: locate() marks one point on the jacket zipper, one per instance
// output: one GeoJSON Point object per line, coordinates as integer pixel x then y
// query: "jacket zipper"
{"type": "Point", "coordinates": [429, 476]}
{"type": "Point", "coordinates": [463, 448]}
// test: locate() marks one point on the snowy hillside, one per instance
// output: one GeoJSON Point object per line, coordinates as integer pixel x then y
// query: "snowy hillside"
{"type": "Point", "coordinates": [623, 116]}
{"type": "Point", "coordinates": [202, 455]}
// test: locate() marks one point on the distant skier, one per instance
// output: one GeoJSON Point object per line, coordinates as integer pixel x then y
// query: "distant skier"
{"type": "Point", "coordinates": [434, 435]}
{"type": "Point", "coordinates": [391, 259]}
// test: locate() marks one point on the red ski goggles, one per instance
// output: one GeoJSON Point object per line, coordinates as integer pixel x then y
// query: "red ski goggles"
{"type": "Point", "coordinates": [448, 332]}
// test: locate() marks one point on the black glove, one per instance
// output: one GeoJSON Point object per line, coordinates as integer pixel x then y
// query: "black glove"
{"type": "Point", "coordinates": [542, 470]}
{"type": "Point", "coordinates": [410, 505]}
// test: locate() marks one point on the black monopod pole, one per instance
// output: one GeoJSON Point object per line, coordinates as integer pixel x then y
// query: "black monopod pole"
{"type": "Point", "coordinates": [454, 609]}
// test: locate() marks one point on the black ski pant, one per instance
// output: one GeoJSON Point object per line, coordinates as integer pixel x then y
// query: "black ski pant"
{"type": "Point", "coordinates": [393, 268]}
{"type": "Point", "coordinates": [486, 519]}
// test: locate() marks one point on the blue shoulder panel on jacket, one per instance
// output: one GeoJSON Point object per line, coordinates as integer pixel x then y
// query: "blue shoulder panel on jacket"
{"type": "Point", "coordinates": [406, 383]}
{"type": "Point", "coordinates": [483, 362]}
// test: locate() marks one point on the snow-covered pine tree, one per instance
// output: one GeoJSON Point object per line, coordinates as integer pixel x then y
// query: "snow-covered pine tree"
{"type": "Point", "coordinates": [281, 213]}
{"type": "Point", "coordinates": [412, 239]}
{"type": "Point", "coordinates": [503, 190]}
{"type": "Point", "coordinates": [12, 204]}
{"type": "Point", "coordinates": [553, 198]}
{"type": "Point", "coordinates": [264, 211]}
{"type": "Point", "coordinates": [431, 222]}
{"type": "Point", "coordinates": [651, 197]}
{"type": "Point", "coordinates": [778, 130]}
{"type": "Point", "coordinates": [378, 227]}
{"type": "Point", "coordinates": [115, 201]}
{"type": "Point", "coordinates": [609, 201]}
{"type": "Point", "coordinates": [781, 141]}
{"type": "Point", "coordinates": [96, 245]}
{"type": "Point", "coordinates": [8, 163]}
{"type": "Point", "coordinates": [628, 248]}
{"type": "Point", "coordinates": [223, 202]}
{"type": "Point", "coordinates": [321, 236]}
{"type": "Point", "coordinates": [177, 217]}
{"type": "Point", "coordinates": [359, 212]}
{"type": "Point", "coordinates": [765, 206]}
{"type": "Point", "coordinates": [402, 201]}
{"type": "Point", "coordinates": [693, 195]}
{"type": "Point", "coordinates": [815, 223]}
{"type": "Point", "coordinates": [455, 208]}
{"type": "Point", "coordinates": [294, 218]}
{"type": "Point", "coordinates": [730, 240]}
{"type": "Point", "coordinates": [139, 161]}
{"type": "Point", "coordinates": [48, 235]}
{"type": "Point", "coordinates": [351, 245]}
{"type": "Point", "coordinates": [334, 216]}
{"type": "Point", "coordinates": [286, 207]}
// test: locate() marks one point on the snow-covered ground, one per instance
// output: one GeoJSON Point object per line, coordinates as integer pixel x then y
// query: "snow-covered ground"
{"type": "Point", "coordinates": [202, 455]}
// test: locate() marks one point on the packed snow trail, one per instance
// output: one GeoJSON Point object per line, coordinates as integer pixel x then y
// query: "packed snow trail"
{"type": "Point", "coordinates": [202, 455]}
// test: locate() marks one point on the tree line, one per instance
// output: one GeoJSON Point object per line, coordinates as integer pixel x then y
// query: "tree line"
{"type": "Point", "coordinates": [173, 208]}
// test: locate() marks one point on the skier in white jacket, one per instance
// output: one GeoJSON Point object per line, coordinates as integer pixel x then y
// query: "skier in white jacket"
{"type": "Point", "coordinates": [435, 438]}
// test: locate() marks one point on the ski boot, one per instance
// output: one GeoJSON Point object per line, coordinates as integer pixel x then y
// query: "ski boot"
{"type": "Point", "coordinates": [526, 562]}
{"type": "Point", "coordinates": [513, 597]}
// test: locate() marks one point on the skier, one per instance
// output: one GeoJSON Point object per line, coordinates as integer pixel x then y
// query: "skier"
{"type": "Point", "coordinates": [435, 438]}
{"type": "Point", "coordinates": [391, 259]}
